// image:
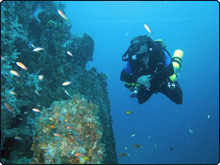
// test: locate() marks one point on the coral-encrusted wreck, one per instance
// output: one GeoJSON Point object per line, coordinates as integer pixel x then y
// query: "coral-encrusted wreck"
{"type": "Point", "coordinates": [74, 124]}
{"type": "Point", "coordinates": [69, 132]}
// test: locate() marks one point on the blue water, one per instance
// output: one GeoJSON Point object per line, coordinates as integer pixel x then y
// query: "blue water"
{"type": "Point", "coordinates": [159, 124]}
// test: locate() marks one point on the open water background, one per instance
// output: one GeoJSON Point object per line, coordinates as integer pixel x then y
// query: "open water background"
{"type": "Point", "coordinates": [159, 124]}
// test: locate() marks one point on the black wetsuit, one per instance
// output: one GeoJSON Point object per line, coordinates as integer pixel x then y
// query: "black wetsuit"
{"type": "Point", "coordinates": [160, 70]}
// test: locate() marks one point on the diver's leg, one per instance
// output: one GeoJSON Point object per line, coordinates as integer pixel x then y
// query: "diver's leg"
{"type": "Point", "coordinates": [174, 94]}
{"type": "Point", "coordinates": [143, 95]}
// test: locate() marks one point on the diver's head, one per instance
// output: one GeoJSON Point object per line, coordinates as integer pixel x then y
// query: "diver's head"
{"type": "Point", "coordinates": [139, 48]}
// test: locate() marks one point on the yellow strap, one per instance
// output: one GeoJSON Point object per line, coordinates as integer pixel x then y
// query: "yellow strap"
{"type": "Point", "coordinates": [133, 84]}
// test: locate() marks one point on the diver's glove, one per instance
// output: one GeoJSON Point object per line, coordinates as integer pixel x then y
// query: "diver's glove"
{"type": "Point", "coordinates": [145, 80]}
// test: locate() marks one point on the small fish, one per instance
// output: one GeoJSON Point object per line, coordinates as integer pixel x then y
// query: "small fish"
{"type": "Point", "coordinates": [12, 92]}
{"type": "Point", "coordinates": [171, 148]}
{"type": "Point", "coordinates": [9, 107]}
{"type": "Point", "coordinates": [57, 135]}
{"type": "Point", "coordinates": [137, 146]}
{"type": "Point", "coordinates": [75, 160]}
{"type": "Point", "coordinates": [124, 154]}
{"type": "Point", "coordinates": [14, 73]}
{"type": "Point", "coordinates": [73, 152]}
{"type": "Point", "coordinates": [147, 28]}
{"type": "Point", "coordinates": [68, 127]}
{"type": "Point", "coordinates": [66, 83]}
{"type": "Point", "coordinates": [208, 117]}
{"type": "Point", "coordinates": [148, 137]}
{"type": "Point", "coordinates": [21, 65]}
{"type": "Point", "coordinates": [25, 113]}
{"type": "Point", "coordinates": [128, 112]}
{"type": "Point", "coordinates": [66, 92]}
{"type": "Point", "coordinates": [62, 14]}
{"type": "Point", "coordinates": [69, 53]}
{"type": "Point", "coordinates": [52, 126]}
{"type": "Point", "coordinates": [78, 154]}
{"type": "Point", "coordinates": [155, 145]}
{"type": "Point", "coordinates": [85, 158]}
{"type": "Point", "coordinates": [41, 77]}
{"type": "Point", "coordinates": [191, 131]}
{"type": "Point", "coordinates": [2, 58]}
{"type": "Point", "coordinates": [81, 160]}
{"type": "Point", "coordinates": [126, 148]}
{"type": "Point", "coordinates": [18, 138]}
{"type": "Point", "coordinates": [132, 135]}
{"type": "Point", "coordinates": [35, 110]}
{"type": "Point", "coordinates": [38, 49]}
{"type": "Point", "coordinates": [133, 95]}
{"type": "Point", "coordinates": [37, 92]}
{"type": "Point", "coordinates": [32, 45]}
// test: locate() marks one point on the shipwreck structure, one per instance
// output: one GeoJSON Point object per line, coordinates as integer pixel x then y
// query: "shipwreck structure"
{"type": "Point", "coordinates": [55, 111]}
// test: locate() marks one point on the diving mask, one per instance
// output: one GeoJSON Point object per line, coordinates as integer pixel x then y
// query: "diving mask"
{"type": "Point", "coordinates": [137, 49]}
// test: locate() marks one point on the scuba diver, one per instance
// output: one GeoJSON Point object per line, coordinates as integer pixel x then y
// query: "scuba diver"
{"type": "Point", "coordinates": [150, 69]}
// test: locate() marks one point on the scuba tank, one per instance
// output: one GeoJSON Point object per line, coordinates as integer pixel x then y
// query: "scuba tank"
{"type": "Point", "coordinates": [177, 62]}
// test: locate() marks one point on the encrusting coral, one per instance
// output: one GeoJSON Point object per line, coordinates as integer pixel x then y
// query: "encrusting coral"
{"type": "Point", "coordinates": [67, 128]}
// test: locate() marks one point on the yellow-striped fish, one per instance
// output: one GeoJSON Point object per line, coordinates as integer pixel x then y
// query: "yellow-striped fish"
{"type": "Point", "coordinates": [66, 83]}
{"type": "Point", "coordinates": [57, 135]}
{"type": "Point", "coordinates": [36, 110]}
{"type": "Point", "coordinates": [128, 112]}
{"type": "Point", "coordinates": [12, 92]}
{"type": "Point", "coordinates": [62, 15]}
{"type": "Point", "coordinates": [14, 73]}
{"type": "Point", "coordinates": [21, 65]}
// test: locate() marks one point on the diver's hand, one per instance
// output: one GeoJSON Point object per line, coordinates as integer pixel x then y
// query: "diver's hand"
{"type": "Point", "coordinates": [144, 80]}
